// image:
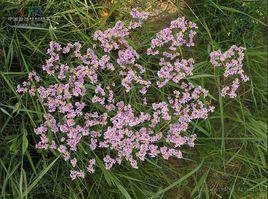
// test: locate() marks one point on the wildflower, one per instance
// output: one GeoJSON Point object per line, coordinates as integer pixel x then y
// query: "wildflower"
{"type": "Point", "coordinates": [90, 167]}
{"type": "Point", "coordinates": [74, 162]}
{"type": "Point", "coordinates": [175, 36]}
{"type": "Point", "coordinates": [85, 106]}
{"type": "Point", "coordinates": [109, 162]}
{"type": "Point", "coordinates": [232, 62]}
{"type": "Point", "coordinates": [74, 174]}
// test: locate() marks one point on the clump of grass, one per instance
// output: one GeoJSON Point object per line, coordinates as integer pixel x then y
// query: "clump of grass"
{"type": "Point", "coordinates": [230, 159]}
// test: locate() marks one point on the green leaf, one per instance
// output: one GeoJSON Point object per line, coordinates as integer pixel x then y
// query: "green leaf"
{"type": "Point", "coordinates": [24, 142]}
{"type": "Point", "coordinates": [14, 145]}
{"type": "Point", "coordinates": [124, 191]}
{"type": "Point", "coordinates": [4, 111]}
{"type": "Point", "coordinates": [156, 195]}
{"type": "Point", "coordinates": [34, 183]}
{"type": "Point", "coordinates": [240, 12]}
{"type": "Point", "coordinates": [16, 107]}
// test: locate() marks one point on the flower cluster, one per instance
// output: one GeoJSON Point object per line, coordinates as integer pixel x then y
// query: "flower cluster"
{"type": "Point", "coordinates": [27, 86]}
{"type": "Point", "coordinates": [166, 43]}
{"type": "Point", "coordinates": [114, 39]}
{"type": "Point", "coordinates": [232, 61]}
{"type": "Point", "coordinates": [141, 16]}
{"type": "Point", "coordinates": [85, 115]}
{"type": "Point", "coordinates": [180, 33]}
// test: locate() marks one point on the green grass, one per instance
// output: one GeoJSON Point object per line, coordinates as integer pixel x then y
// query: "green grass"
{"type": "Point", "coordinates": [230, 158]}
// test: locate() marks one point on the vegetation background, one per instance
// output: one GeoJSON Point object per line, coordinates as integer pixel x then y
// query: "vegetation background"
{"type": "Point", "coordinates": [230, 159]}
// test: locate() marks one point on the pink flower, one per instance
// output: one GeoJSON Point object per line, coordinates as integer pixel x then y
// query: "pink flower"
{"type": "Point", "coordinates": [91, 164]}
{"type": "Point", "coordinates": [88, 96]}
{"type": "Point", "coordinates": [232, 61]}
{"type": "Point", "coordinates": [74, 174]}
{"type": "Point", "coordinates": [73, 162]}
{"type": "Point", "coordinates": [109, 162]}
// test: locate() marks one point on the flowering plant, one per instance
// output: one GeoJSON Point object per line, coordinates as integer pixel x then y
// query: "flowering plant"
{"type": "Point", "coordinates": [84, 109]}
